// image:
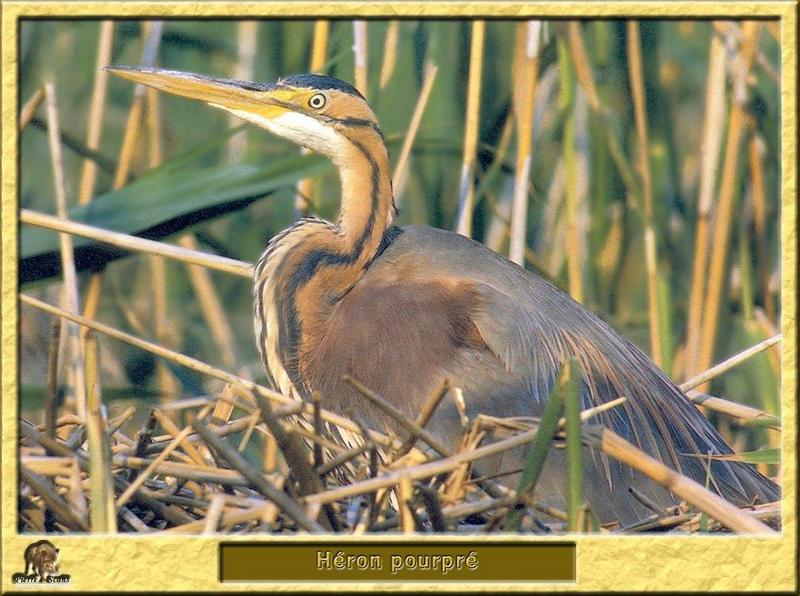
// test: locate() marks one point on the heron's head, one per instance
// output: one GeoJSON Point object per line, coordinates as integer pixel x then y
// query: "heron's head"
{"type": "Point", "coordinates": [315, 111]}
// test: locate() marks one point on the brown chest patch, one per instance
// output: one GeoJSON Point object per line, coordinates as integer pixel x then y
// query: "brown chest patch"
{"type": "Point", "coordinates": [397, 338]}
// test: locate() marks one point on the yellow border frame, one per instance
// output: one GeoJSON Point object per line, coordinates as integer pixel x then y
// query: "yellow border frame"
{"type": "Point", "coordinates": [604, 563]}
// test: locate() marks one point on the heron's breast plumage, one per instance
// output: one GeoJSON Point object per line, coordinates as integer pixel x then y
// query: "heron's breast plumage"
{"type": "Point", "coordinates": [269, 303]}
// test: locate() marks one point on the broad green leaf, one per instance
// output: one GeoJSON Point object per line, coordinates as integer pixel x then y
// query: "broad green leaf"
{"type": "Point", "coordinates": [163, 202]}
{"type": "Point", "coordinates": [540, 446]}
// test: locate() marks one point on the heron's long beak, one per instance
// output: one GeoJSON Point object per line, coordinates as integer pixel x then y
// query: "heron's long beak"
{"type": "Point", "coordinates": [264, 100]}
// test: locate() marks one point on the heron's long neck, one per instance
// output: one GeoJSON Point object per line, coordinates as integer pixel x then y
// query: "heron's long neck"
{"type": "Point", "coordinates": [367, 206]}
{"type": "Point", "coordinates": [306, 271]}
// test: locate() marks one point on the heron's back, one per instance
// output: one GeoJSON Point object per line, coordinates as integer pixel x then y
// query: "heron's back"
{"type": "Point", "coordinates": [436, 305]}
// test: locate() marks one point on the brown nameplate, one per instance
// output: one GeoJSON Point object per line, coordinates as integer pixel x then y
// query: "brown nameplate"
{"type": "Point", "coordinates": [403, 562]}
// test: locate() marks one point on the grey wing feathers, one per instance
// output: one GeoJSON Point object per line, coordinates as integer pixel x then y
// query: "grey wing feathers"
{"type": "Point", "coordinates": [532, 327]}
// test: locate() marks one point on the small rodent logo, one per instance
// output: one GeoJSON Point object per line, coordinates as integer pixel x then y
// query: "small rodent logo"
{"type": "Point", "coordinates": [41, 565]}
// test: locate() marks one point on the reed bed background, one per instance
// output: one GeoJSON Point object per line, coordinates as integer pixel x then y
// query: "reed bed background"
{"type": "Point", "coordinates": [635, 164]}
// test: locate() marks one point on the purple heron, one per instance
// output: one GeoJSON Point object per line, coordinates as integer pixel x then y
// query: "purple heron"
{"type": "Point", "coordinates": [401, 309]}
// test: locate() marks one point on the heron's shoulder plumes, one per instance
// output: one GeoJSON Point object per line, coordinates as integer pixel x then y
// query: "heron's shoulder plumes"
{"type": "Point", "coordinates": [319, 82]}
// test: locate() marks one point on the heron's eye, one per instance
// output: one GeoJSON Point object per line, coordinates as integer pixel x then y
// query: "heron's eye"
{"type": "Point", "coordinates": [317, 101]}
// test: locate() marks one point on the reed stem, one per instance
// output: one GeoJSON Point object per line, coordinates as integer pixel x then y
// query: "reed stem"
{"type": "Point", "coordinates": [650, 241]}
{"type": "Point", "coordinates": [76, 369]}
{"type": "Point", "coordinates": [96, 110]}
{"type": "Point", "coordinates": [725, 204]}
{"type": "Point", "coordinates": [466, 186]}
{"type": "Point", "coordinates": [525, 72]}
{"type": "Point", "coordinates": [713, 127]}
{"type": "Point", "coordinates": [360, 52]}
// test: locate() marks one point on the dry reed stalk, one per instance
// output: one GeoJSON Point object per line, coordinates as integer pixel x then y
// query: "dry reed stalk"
{"type": "Point", "coordinates": [318, 441]}
{"type": "Point", "coordinates": [744, 414]}
{"type": "Point", "coordinates": [248, 433]}
{"type": "Point", "coordinates": [767, 67]}
{"type": "Point", "coordinates": [498, 229]}
{"type": "Point", "coordinates": [342, 458]}
{"type": "Point", "coordinates": [466, 187]}
{"type": "Point", "coordinates": [656, 522]}
{"type": "Point", "coordinates": [152, 40]}
{"type": "Point", "coordinates": [360, 53]}
{"type": "Point", "coordinates": [77, 146]}
{"type": "Point", "coordinates": [289, 444]}
{"type": "Point", "coordinates": [213, 514]}
{"type": "Point", "coordinates": [390, 410]}
{"type": "Point", "coordinates": [319, 45]}
{"type": "Point", "coordinates": [755, 151]}
{"type": "Point", "coordinates": [456, 483]}
{"type": "Point", "coordinates": [316, 402]}
{"type": "Point", "coordinates": [226, 520]}
{"type": "Point", "coordinates": [29, 109]}
{"type": "Point", "coordinates": [404, 492]}
{"type": "Point", "coordinates": [713, 126]}
{"type": "Point", "coordinates": [573, 241]}
{"type": "Point", "coordinates": [694, 523]}
{"type": "Point", "coordinates": [319, 55]}
{"type": "Point", "coordinates": [683, 487]}
{"type": "Point", "coordinates": [400, 173]}
{"type": "Point", "coordinates": [74, 485]}
{"type": "Point", "coordinates": [153, 31]}
{"type": "Point", "coordinates": [51, 403]}
{"type": "Point", "coordinates": [389, 53]}
{"type": "Point", "coordinates": [244, 70]}
{"type": "Point", "coordinates": [580, 60]}
{"type": "Point", "coordinates": [143, 476]}
{"type": "Point", "coordinates": [526, 54]}
{"type": "Point", "coordinates": [646, 501]}
{"type": "Point", "coordinates": [96, 110]}
{"type": "Point", "coordinates": [774, 28]}
{"type": "Point", "coordinates": [433, 507]}
{"type": "Point", "coordinates": [211, 307]}
{"type": "Point", "coordinates": [153, 115]}
{"type": "Point", "coordinates": [768, 329]}
{"type": "Point", "coordinates": [421, 471]}
{"type": "Point", "coordinates": [136, 244]}
{"type": "Point", "coordinates": [168, 425]}
{"type": "Point", "coordinates": [724, 212]}
{"type": "Point", "coordinates": [76, 370]}
{"type": "Point", "coordinates": [162, 328]}
{"type": "Point", "coordinates": [699, 380]}
{"type": "Point", "coordinates": [453, 513]}
{"type": "Point", "coordinates": [172, 514]}
{"type": "Point", "coordinates": [212, 474]}
{"type": "Point", "coordinates": [650, 250]}
{"type": "Point", "coordinates": [162, 324]}
{"type": "Point", "coordinates": [223, 408]}
{"type": "Point", "coordinates": [201, 367]}
{"type": "Point", "coordinates": [134, 522]}
{"type": "Point", "coordinates": [62, 421]}
{"type": "Point", "coordinates": [103, 515]}
{"type": "Point", "coordinates": [423, 417]}
{"type": "Point", "coordinates": [256, 479]}
{"type": "Point", "coordinates": [49, 494]}
{"type": "Point", "coordinates": [47, 465]}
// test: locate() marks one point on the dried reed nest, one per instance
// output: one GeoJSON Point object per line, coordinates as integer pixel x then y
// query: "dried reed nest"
{"type": "Point", "coordinates": [191, 469]}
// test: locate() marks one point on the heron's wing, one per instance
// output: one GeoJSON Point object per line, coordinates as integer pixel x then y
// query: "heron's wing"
{"type": "Point", "coordinates": [533, 327]}
{"type": "Point", "coordinates": [549, 327]}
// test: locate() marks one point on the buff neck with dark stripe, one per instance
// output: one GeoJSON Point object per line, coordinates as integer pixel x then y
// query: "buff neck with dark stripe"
{"type": "Point", "coordinates": [307, 269]}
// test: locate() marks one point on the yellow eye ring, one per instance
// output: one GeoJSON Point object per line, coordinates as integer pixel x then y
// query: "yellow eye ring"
{"type": "Point", "coordinates": [317, 101]}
